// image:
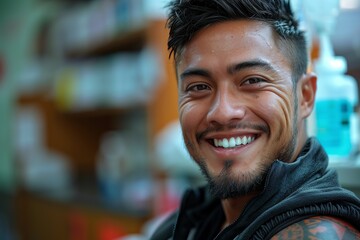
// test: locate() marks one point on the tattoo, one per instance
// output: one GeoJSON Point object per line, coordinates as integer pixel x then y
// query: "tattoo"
{"type": "Point", "coordinates": [319, 228]}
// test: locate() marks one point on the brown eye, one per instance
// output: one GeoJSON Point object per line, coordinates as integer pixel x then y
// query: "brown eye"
{"type": "Point", "coordinates": [254, 81]}
{"type": "Point", "coordinates": [198, 87]}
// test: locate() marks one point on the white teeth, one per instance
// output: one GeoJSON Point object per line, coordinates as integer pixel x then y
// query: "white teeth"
{"type": "Point", "coordinates": [225, 143]}
{"type": "Point", "coordinates": [233, 142]}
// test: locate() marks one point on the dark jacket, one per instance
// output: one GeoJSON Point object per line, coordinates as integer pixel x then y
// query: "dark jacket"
{"type": "Point", "coordinates": [292, 192]}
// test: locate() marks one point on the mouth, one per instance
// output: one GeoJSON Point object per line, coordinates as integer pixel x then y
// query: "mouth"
{"type": "Point", "coordinates": [233, 142]}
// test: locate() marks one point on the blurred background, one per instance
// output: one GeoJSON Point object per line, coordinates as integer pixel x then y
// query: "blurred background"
{"type": "Point", "coordinates": [90, 146]}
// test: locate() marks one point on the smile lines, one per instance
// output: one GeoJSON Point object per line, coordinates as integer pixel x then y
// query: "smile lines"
{"type": "Point", "coordinates": [233, 142]}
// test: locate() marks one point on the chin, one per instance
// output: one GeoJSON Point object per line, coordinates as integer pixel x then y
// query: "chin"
{"type": "Point", "coordinates": [228, 184]}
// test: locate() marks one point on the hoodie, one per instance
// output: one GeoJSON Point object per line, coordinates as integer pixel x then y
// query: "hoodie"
{"type": "Point", "coordinates": [292, 192]}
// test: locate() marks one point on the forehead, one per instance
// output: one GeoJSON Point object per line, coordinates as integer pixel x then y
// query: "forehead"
{"type": "Point", "coordinates": [231, 41]}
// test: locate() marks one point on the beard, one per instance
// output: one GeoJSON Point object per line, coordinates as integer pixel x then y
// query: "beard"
{"type": "Point", "coordinates": [229, 184]}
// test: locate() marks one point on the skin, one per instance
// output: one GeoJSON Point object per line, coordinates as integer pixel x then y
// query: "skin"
{"type": "Point", "coordinates": [234, 81]}
{"type": "Point", "coordinates": [320, 227]}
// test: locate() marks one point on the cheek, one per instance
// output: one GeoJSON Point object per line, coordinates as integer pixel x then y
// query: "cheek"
{"type": "Point", "coordinates": [190, 115]}
{"type": "Point", "coordinates": [277, 112]}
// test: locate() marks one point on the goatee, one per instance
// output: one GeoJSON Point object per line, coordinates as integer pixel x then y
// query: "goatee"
{"type": "Point", "coordinates": [226, 185]}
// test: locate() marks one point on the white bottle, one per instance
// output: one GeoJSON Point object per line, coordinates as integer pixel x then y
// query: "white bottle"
{"type": "Point", "coordinates": [336, 121]}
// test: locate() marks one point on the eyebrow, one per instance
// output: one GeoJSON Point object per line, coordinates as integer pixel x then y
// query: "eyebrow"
{"type": "Point", "coordinates": [194, 72]}
{"type": "Point", "coordinates": [255, 63]}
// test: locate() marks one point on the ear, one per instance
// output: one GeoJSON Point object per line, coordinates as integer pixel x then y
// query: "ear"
{"type": "Point", "coordinates": [307, 91]}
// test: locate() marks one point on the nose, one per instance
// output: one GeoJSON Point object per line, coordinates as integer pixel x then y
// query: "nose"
{"type": "Point", "coordinates": [226, 108]}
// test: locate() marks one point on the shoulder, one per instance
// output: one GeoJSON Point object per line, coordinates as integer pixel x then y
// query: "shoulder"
{"type": "Point", "coordinates": [319, 227]}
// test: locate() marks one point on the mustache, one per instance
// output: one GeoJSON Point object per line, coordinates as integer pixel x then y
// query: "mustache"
{"type": "Point", "coordinates": [213, 129]}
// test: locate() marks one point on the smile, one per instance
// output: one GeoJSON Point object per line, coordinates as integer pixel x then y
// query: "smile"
{"type": "Point", "coordinates": [233, 142]}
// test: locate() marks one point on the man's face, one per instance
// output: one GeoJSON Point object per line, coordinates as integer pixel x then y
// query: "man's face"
{"type": "Point", "coordinates": [236, 104]}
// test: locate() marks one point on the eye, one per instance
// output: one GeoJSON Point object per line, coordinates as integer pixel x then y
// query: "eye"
{"type": "Point", "coordinates": [253, 80]}
{"type": "Point", "coordinates": [197, 88]}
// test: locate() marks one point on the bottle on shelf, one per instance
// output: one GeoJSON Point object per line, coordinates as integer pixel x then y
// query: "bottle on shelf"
{"type": "Point", "coordinates": [335, 119]}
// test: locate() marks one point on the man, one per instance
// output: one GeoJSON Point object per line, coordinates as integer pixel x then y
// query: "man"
{"type": "Point", "coordinates": [244, 96]}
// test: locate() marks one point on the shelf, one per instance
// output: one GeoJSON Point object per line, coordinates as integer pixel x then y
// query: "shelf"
{"type": "Point", "coordinates": [72, 219]}
{"type": "Point", "coordinates": [43, 98]}
{"type": "Point", "coordinates": [101, 112]}
{"type": "Point", "coordinates": [75, 135]}
{"type": "Point", "coordinates": [131, 40]}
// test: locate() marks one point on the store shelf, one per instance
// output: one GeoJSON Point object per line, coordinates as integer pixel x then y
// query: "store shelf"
{"type": "Point", "coordinates": [101, 112]}
{"type": "Point", "coordinates": [73, 218]}
{"type": "Point", "coordinates": [76, 128]}
{"type": "Point", "coordinates": [131, 40]}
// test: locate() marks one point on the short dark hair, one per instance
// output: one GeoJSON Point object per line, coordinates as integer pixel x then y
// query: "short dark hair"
{"type": "Point", "coordinates": [187, 17]}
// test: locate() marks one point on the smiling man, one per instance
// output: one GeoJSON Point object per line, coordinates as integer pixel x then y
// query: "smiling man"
{"type": "Point", "coordinates": [244, 96]}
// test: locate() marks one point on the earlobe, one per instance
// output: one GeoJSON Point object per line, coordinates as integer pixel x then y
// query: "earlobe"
{"type": "Point", "coordinates": [307, 93]}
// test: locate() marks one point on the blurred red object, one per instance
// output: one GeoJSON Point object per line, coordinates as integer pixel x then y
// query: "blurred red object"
{"type": "Point", "coordinates": [110, 231]}
{"type": "Point", "coordinates": [78, 226]}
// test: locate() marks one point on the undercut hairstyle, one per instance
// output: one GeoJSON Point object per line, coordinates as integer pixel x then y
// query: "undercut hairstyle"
{"type": "Point", "coordinates": [187, 17]}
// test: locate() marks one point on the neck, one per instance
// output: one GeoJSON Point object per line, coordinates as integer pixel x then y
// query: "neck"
{"type": "Point", "coordinates": [233, 207]}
